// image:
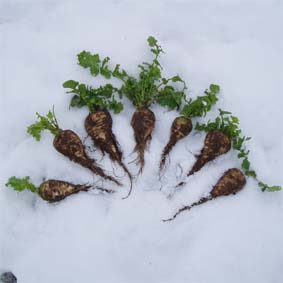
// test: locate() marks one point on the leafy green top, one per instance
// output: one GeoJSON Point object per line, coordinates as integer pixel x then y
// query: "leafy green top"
{"type": "Point", "coordinates": [47, 122]}
{"type": "Point", "coordinates": [94, 98]}
{"type": "Point", "coordinates": [229, 125]}
{"type": "Point", "coordinates": [148, 88]}
{"type": "Point", "coordinates": [202, 104]}
{"type": "Point", "coordinates": [21, 184]}
{"type": "Point", "coordinates": [94, 63]}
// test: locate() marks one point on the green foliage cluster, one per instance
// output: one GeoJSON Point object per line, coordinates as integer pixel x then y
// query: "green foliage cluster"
{"type": "Point", "coordinates": [150, 87]}
{"type": "Point", "coordinates": [202, 104]}
{"type": "Point", "coordinates": [229, 124]}
{"type": "Point", "coordinates": [47, 122]}
{"type": "Point", "coordinates": [94, 98]}
{"type": "Point", "coordinates": [94, 63]}
{"type": "Point", "coordinates": [21, 184]}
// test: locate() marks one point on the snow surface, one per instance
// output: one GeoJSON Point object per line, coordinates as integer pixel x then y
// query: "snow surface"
{"type": "Point", "coordinates": [100, 238]}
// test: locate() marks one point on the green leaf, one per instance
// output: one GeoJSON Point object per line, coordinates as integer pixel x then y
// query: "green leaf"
{"type": "Point", "coordinates": [151, 41]}
{"type": "Point", "coordinates": [214, 88]}
{"type": "Point", "coordinates": [274, 189]}
{"type": "Point", "coordinates": [117, 107]}
{"type": "Point", "coordinates": [250, 173]}
{"type": "Point", "coordinates": [224, 112]}
{"type": "Point", "coordinates": [86, 59]}
{"type": "Point", "coordinates": [106, 73]}
{"type": "Point", "coordinates": [169, 97]}
{"type": "Point", "coordinates": [21, 184]}
{"type": "Point", "coordinates": [70, 84]}
{"type": "Point", "coordinates": [176, 79]}
{"type": "Point", "coordinates": [264, 187]}
{"type": "Point", "coordinates": [44, 123]}
{"type": "Point", "coordinates": [76, 101]}
{"type": "Point", "coordinates": [94, 70]}
{"type": "Point", "coordinates": [91, 61]}
{"type": "Point", "coordinates": [200, 106]}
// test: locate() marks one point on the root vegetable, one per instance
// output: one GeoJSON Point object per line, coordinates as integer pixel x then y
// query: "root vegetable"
{"type": "Point", "coordinates": [229, 124]}
{"type": "Point", "coordinates": [98, 123]}
{"type": "Point", "coordinates": [143, 121]}
{"type": "Point", "coordinates": [232, 181]}
{"type": "Point", "coordinates": [67, 143]}
{"type": "Point", "coordinates": [99, 127]}
{"type": "Point", "coordinates": [55, 190]}
{"type": "Point", "coordinates": [148, 88]}
{"type": "Point", "coordinates": [181, 127]}
{"type": "Point", "coordinates": [216, 143]}
{"type": "Point", "coordinates": [51, 190]}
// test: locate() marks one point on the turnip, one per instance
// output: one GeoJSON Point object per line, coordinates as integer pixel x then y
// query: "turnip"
{"type": "Point", "coordinates": [50, 190]}
{"type": "Point", "coordinates": [232, 181]}
{"type": "Point", "coordinates": [98, 123]}
{"type": "Point", "coordinates": [67, 143]}
{"type": "Point", "coordinates": [182, 125]}
{"type": "Point", "coordinates": [150, 87]}
{"type": "Point", "coordinates": [228, 125]}
{"type": "Point", "coordinates": [216, 143]}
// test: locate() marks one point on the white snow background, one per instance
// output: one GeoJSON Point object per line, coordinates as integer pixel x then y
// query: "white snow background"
{"type": "Point", "coordinates": [102, 238]}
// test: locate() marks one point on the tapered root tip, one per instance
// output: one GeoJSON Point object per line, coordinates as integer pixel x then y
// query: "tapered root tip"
{"type": "Point", "coordinates": [167, 220]}
{"type": "Point", "coordinates": [115, 181]}
{"type": "Point", "coordinates": [130, 190]}
{"type": "Point", "coordinates": [181, 184]}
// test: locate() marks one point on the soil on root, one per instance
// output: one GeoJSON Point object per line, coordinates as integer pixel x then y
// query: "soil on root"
{"type": "Point", "coordinates": [216, 143]}
{"type": "Point", "coordinates": [99, 127]}
{"type": "Point", "coordinates": [55, 190]}
{"type": "Point", "coordinates": [69, 144]}
{"type": "Point", "coordinates": [181, 127]}
{"type": "Point", "coordinates": [143, 122]}
{"type": "Point", "coordinates": [232, 181]}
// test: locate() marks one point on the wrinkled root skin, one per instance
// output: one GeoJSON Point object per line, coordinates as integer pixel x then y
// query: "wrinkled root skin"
{"type": "Point", "coordinates": [99, 127]}
{"type": "Point", "coordinates": [55, 190]}
{"type": "Point", "coordinates": [216, 143]}
{"type": "Point", "coordinates": [231, 182]}
{"type": "Point", "coordinates": [69, 144]}
{"type": "Point", "coordinates": [180, 128]}
{"type": "Point", "coordinates": [143, 122]}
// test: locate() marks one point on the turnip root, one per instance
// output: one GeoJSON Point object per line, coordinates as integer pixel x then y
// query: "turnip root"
{"type": "Point", "coordinates": [99, 127]}
{"type": "Point", "coordinates": [143, 122]}
{"type": "Point", "coordinates": [232, 181]}
{"type": "Point", "coordinates": [51, 190]}
{"type": "Point", "coordinates": [181, 127]}
{"type": "Point", "coordinates": [216, 143]}
{"type": "Point", "coordinates": [67, 143]}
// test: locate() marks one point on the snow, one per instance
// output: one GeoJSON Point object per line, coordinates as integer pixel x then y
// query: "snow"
{"type": "Point", "coordinates": [101, 238]}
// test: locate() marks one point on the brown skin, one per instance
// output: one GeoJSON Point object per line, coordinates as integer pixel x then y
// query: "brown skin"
{"type": "Point", "coordinates": [143, 122]}
{"type": "Point", "coordinates": [180, 128]}
{"type": "Point", "coordinates": [99, 127]}
{"type": "Point", "coordinates": [56, 190]}
{"type": "Point", "coordinates": [216, 143]}
{"type": "Point", "coordinates": [232, 181]}
{"type": "Point", "coordinates": [69, 144]}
